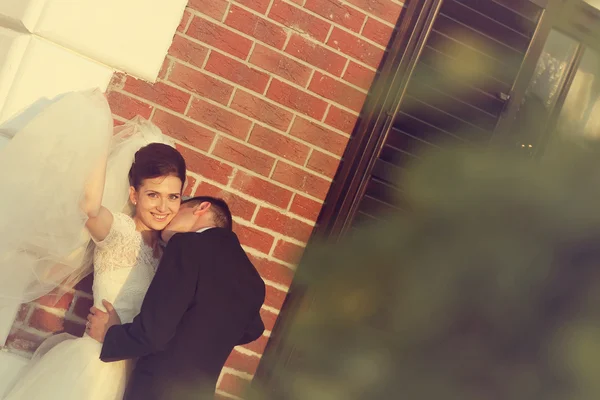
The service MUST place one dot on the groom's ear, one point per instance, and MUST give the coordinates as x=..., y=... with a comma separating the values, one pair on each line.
x=202, y=207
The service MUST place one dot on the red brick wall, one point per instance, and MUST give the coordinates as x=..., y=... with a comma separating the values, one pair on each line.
x=261, y=97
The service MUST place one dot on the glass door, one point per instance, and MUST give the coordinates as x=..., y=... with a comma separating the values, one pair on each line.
x=543, y=92
x=580, y=114
x=562, y=99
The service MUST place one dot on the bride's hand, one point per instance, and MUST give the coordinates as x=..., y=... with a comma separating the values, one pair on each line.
x=99, y=322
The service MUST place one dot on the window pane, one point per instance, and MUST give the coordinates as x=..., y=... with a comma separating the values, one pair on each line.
x=551, y=69
x=580, y=114
x=545, y=85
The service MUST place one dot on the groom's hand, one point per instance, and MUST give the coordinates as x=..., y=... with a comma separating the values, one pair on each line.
x=99, y=322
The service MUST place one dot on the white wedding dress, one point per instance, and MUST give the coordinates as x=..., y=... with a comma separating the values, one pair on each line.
x=71, y=370
x=44, y=168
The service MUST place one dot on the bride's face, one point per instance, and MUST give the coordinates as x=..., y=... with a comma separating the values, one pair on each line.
x=156, y=201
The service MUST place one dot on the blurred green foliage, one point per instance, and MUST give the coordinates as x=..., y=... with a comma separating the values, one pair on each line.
x=488, y=288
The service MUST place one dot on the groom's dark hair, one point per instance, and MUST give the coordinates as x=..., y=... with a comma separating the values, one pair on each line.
x=220, y=209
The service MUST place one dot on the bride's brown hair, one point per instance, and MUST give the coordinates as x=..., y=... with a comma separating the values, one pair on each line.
x=154, y=160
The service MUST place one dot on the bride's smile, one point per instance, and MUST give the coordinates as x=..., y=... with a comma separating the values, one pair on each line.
x=159, y=217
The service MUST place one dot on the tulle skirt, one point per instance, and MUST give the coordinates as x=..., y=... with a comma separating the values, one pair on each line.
x=72, y=370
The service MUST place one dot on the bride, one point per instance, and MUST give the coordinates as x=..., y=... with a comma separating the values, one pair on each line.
x=74, y=172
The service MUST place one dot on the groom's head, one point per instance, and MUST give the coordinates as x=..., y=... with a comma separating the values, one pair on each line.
x=198, y=213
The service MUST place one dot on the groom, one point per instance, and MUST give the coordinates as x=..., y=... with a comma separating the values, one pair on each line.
x=204, y=300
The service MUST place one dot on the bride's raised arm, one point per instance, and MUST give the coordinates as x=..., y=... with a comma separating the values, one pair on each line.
x=99, y=218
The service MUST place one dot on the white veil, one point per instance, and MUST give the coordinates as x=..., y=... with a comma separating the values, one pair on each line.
x=43, y=170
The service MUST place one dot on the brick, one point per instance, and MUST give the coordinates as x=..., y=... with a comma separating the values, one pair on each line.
x=258, y=346
x=297, y=99
x=186, y=131
x=85, y=285
x=280, y=64
x=74, y=328
x=184, y=21
x=188, y=190
x=239, y=206
x=261, y=110
x=117, y=81
x=337, y=91
x=242, y=362
x=323, y=163
x=164, y=70
x=206, y=166
x=82, y=307
x=255, y=26
x=201, y=84
x=233, y=384
x=45, y=321
x=254, y=238
x=23, y=341
x=159, y=93
x=281, y=145
x=273, y=271
x=219, y=37
x=274, y=297
x=299, y=20
x=219, y=118
x=52, y=300
x=338, y=12
x=319, y=136
x=190, y=52
x=300, y=180
x=316, y=55
x=288, y=252
x=237, y=72
x=257, y=5
x=377, y=31
x=127, y=107
x=384, y=9
x=355, y=47
x=213, y=8
x=244, y=156
x=340, y=119
x=268, y=319
x=261, y=189
x=287, y=226
x=305, y=207
x=22, y=313
x=358, y=75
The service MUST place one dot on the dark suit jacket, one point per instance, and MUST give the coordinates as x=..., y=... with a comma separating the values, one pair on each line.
x=204, y=300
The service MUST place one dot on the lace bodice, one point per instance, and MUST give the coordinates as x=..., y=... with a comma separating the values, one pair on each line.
x=123, y=268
